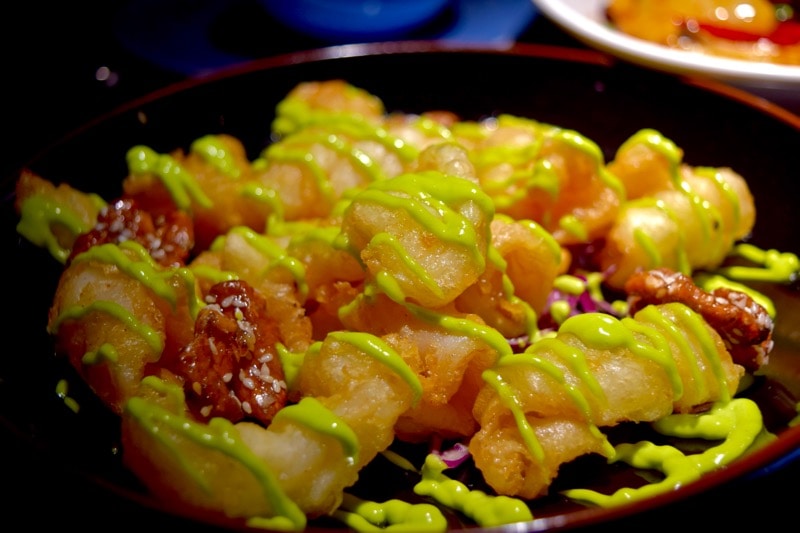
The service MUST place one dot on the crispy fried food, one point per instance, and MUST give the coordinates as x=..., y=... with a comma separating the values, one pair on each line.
x=447, y=352
x=213, y=182
x=512, y=292
x=598, y=371
x=265, y=265
x=680, y=217
x=314, y=167
x=355, y=387
x=325, y=101
x=53, y=216
x=744, y=325
x=422, y=237
x=333, y=276
x=536, y=171
x=265, y=330
x=115, y=311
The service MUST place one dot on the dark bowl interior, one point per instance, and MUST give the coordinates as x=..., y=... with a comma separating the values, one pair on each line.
x=75, y=457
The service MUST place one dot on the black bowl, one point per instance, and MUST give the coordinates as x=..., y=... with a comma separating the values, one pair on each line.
x=68, y=465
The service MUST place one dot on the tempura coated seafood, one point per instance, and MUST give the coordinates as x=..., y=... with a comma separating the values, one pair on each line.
x=663, y=359
x=536, y=171
x=354, y=393
x=53, y=216
x=213, y=182
x=676, y=216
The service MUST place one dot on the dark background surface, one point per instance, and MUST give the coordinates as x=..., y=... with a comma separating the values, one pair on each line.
x=52, y=56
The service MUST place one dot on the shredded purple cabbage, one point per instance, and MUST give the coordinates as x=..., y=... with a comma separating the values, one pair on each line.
x=453, y=456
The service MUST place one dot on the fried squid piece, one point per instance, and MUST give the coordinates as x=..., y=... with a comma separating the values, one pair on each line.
x=544, y=407
x=512, y=292
x=676, y=215
x=422, y=237
x=213, y=182
x=448, y=353
x=535, y=171
x=231, y=368
x=744, y=325
x=354, y=387
x=53, y=216
x=115, y=312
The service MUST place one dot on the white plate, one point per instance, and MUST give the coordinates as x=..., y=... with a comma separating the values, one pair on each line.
x=586, y=21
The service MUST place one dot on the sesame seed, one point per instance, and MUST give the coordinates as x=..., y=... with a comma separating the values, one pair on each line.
x=246, y=380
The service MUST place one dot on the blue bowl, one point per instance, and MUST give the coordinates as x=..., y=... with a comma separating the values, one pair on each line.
x=354, y=20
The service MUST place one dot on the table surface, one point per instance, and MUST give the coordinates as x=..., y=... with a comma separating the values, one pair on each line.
x=52, y=57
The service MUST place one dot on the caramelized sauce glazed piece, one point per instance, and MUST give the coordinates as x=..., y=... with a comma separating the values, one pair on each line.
x=231, y=369
x=743, y=324
x=169, y=238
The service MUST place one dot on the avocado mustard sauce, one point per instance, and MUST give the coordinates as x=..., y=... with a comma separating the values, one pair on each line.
x=276, y=254
x=40, y=214
x=484, y=509
x=181, y=184
x=392, y=515
x=769, y=265
x=62, y=391
x=737, y=424
x=217, y=155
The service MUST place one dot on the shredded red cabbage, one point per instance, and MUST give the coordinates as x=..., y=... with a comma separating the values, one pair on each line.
x=453, y=456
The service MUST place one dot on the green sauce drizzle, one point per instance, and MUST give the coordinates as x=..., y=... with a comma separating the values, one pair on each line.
x=484, y=509
x=62, y=391
x=392, y=515
x=738, y=422
x=376, y=348
x=180, y=183
x=39, y=214
x=312, y=414
x=777, y=267
x=214, y=152
x=76, y=312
